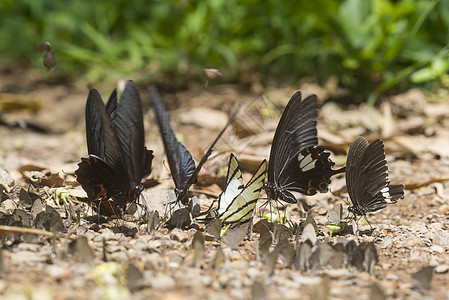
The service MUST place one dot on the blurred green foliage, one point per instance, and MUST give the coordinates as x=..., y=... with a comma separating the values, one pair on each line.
x=372, y=46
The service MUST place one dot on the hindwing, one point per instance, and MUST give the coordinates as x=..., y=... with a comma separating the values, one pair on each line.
x=241, y=208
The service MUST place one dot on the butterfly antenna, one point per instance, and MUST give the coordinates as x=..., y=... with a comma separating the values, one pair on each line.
x=247, y=115
x=276, y=106
x=209, y=151
x=340, y=197
x=165, y=166
x=344, y=199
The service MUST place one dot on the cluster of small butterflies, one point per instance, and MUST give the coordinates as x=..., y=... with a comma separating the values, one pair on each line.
x=304, y=251
x=118, y=160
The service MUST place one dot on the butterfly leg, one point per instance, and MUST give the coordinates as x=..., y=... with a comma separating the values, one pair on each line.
x=142, y=204
x=371, y=228
x=169, y=209
x=284, y=207
x=260, y=209
x=98, y=211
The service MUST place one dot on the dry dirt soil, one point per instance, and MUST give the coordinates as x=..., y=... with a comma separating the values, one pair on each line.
x=43, y=138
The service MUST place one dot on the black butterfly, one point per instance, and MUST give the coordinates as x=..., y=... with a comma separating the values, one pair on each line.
x=367, y=178
x=297, y=163
x=118, y=159
x=182, y=166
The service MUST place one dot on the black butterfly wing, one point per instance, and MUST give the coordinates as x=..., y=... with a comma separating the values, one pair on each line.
x=353, y=169
x=99, y=179
x=368, y=183
x=296, y=131
x=101, y=182
x=127, y=120
x=111, y=106
x=102, y=140
x=94, y=131
x=180, y=161
x=103, y=173
x=373, y=169
x=297, y=163
x=94, y=134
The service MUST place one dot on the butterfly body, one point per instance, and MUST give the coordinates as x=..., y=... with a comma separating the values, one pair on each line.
x=367, y=178
x=297, y=163
x=118, y=159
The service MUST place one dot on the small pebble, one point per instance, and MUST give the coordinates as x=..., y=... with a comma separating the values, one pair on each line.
x=437, y=248
x=419, y=227
x=386, y=243
x=253, y=272
x=441, y=269
x=163, y=283
x=412, y=242
x=105, y=234
x=439, y=237
x=391, y=276
x=8, y=206
x=6, y=179
x=179, y=235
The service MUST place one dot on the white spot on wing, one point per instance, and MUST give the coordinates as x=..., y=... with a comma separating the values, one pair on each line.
x=306, y=163
x=385, y=192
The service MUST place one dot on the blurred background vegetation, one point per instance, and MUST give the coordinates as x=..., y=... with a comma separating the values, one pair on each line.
x=372, y=47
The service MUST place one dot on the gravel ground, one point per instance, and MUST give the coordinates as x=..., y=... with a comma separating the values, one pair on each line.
x=119, y=259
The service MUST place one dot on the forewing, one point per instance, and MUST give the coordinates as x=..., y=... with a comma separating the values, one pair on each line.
x=374, y=164
x=102, y=140
x=234, y=185
x=241, y=208
x=128, y=123
x=354, y=169
x=180, y=161
x=94, y=135
x=373, y=177
x=296, y=131
x=111, y=106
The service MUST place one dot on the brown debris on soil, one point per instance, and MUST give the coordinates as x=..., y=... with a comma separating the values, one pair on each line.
x=54, y=246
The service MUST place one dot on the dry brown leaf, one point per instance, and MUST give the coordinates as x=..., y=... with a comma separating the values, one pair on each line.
x=204, y=117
